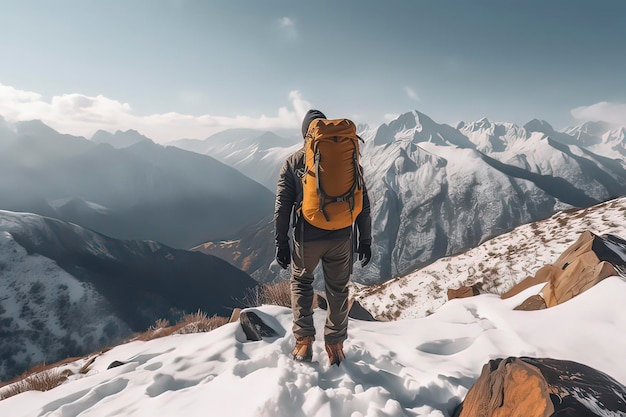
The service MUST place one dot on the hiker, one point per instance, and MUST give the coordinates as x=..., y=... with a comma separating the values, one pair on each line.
x=332, y=238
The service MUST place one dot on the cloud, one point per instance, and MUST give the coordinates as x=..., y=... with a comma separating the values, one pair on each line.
x=287, y=22
x=288, y=28
x=411, y=93
x=300, y=105
x=83, y=115
x=602, y=111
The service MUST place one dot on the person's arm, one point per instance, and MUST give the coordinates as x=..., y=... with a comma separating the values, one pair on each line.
x=285, y=199
x=364, y=220
x=364, y=226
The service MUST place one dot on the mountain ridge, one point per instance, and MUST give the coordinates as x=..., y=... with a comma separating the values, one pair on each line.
x=68, y=289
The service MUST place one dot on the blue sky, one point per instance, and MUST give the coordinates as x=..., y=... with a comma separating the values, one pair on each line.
x=186, y=68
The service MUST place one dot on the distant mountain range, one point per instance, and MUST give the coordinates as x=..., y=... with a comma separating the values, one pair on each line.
x=257, y=154
x=67, y=291
x=135, y=190
x=437, y=190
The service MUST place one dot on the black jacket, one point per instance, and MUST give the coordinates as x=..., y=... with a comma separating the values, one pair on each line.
x=288, y=194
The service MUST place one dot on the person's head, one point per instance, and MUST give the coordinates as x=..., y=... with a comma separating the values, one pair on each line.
x=309, y=117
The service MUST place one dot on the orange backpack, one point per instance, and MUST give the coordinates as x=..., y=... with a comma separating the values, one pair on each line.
x=332, y=184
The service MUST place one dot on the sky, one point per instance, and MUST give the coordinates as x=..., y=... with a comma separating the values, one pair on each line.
x=177, y=69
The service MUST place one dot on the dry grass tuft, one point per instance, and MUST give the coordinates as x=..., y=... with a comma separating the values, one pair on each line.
x=197, y=322
x=34, y=380
x=275, y=293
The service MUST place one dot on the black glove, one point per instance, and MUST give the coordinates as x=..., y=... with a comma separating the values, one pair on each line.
x=283, y=256
x=365, y=253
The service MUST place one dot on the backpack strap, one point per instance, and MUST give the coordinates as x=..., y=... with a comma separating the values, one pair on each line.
x=299, y=172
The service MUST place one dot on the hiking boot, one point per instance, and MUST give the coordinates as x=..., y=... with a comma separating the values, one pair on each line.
x=335, y=353
x=303, y=351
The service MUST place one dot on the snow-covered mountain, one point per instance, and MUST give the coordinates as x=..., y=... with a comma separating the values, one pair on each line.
x=67, y=291
x=257, y=154
x=550, y=154
x=143, y=191
x=438, y=190
x=497, y=264
x=597, y=137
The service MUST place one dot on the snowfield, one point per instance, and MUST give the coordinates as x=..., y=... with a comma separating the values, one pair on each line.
x=409, y=367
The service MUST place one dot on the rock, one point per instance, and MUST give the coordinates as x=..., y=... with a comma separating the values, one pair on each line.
x=321, y=301
x=543, y=275
x=357, y=311
x=531, y=387
x=234, y=316
x=115, y=364
x=535, y=302
x=588, y=261
x=465, y=291
x=254, y=327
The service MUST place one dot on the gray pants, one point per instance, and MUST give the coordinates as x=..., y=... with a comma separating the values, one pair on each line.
x=336, y=257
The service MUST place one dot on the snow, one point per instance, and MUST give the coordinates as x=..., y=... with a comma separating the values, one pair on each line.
x=414, y=366
x=498, y=263
x=410, y=367
x=34, y=293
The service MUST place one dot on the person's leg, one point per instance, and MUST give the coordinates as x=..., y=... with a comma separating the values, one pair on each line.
x=306, y=256
x=337, y=264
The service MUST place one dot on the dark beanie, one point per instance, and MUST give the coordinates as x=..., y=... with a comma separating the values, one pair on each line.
x=309, y=117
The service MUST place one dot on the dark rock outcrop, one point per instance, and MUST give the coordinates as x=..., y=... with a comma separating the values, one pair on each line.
x=544, y=387
x=357, y=311
x=254, y=327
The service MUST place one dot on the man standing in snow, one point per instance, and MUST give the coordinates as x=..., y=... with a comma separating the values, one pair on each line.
x=310, y=245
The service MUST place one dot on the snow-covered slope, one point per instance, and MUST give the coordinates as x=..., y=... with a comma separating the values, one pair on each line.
x=40, y=304
x=411, y=367
x=541, y=153
x=66, y=290
x=598, y=137
x=255, y=153
x=498, y=263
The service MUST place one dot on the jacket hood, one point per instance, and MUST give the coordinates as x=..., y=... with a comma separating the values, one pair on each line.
x=309, y=117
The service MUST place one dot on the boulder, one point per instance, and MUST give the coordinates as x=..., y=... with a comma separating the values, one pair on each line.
x=357, y=311
x=535, y=302
x=465, y=291
x=234, y=316
x=588, y=261
x=542, y=387
x=543, y=275
x=254, y=327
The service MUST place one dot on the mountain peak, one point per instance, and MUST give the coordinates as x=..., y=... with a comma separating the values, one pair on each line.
x=478, y=125
x=537, y=125
x=119, y=139
x=34, y=128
